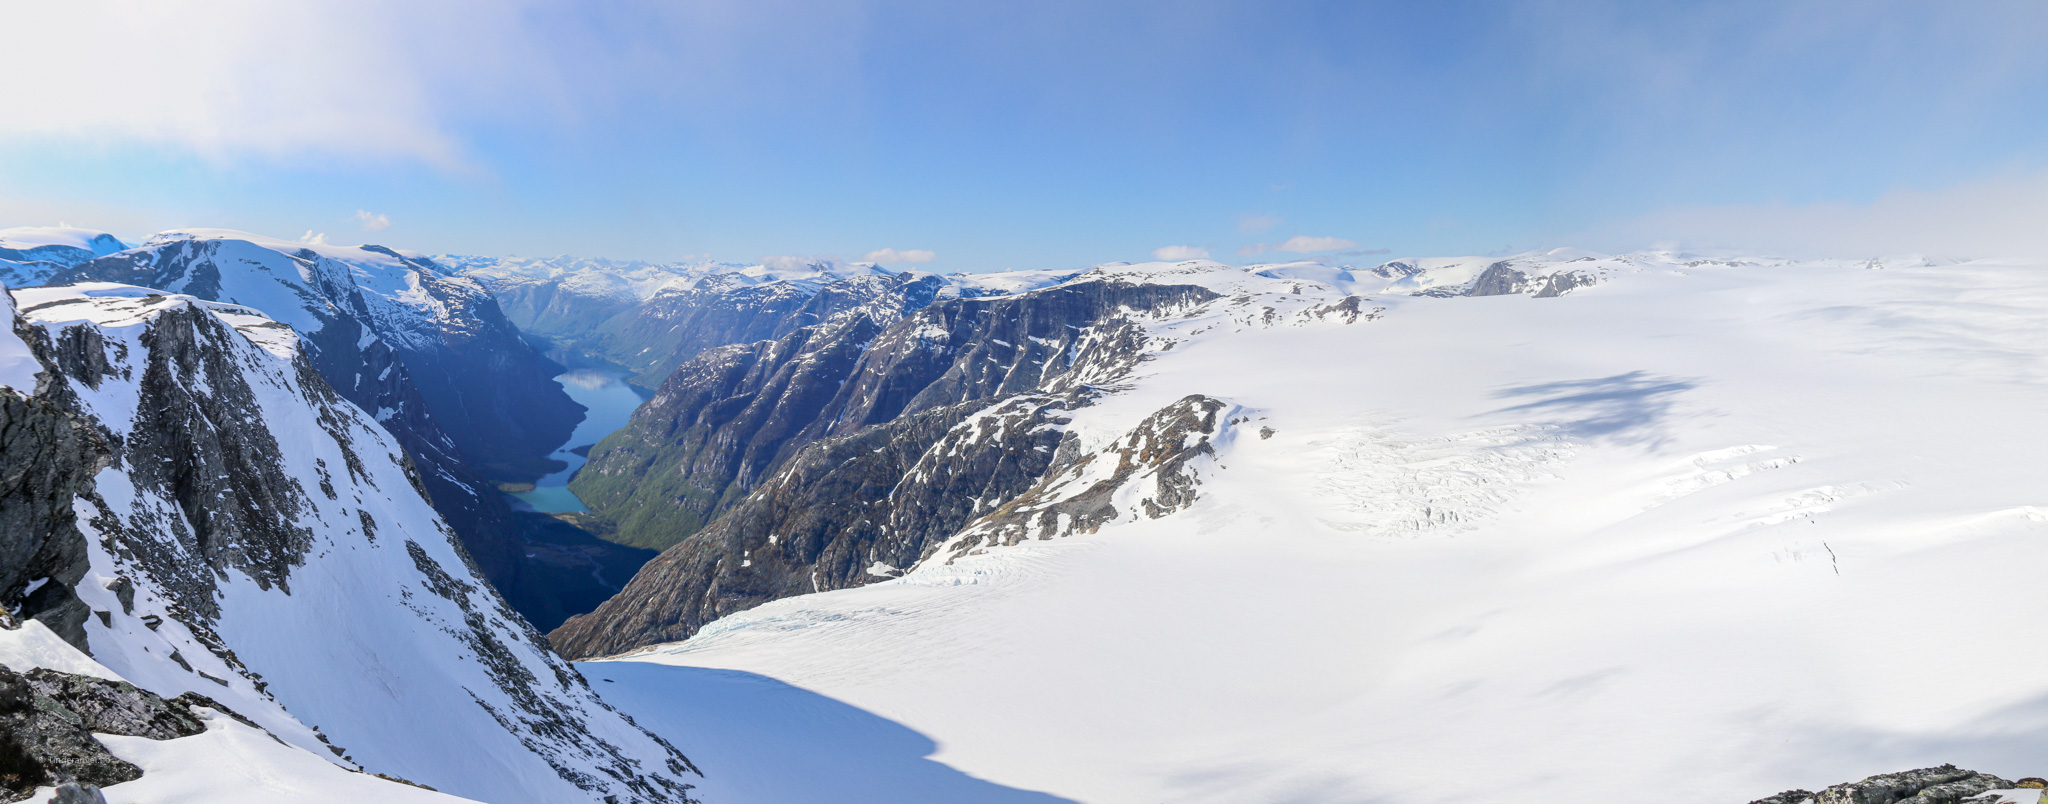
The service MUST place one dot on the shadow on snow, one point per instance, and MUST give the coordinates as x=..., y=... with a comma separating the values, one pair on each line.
x=761, y=741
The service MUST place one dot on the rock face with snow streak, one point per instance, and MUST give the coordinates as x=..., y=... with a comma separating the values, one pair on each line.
x=428, y=353
x=249, y=535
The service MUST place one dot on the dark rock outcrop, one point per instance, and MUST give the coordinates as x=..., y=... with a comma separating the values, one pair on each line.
x=1502, y=279
x=47, y=457
x=1946, y=784
x=47, y=720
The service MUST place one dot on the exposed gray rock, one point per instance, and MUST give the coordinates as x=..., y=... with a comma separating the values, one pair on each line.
x=1502, y=279
x=1946, y=784
x=47, y=457
x=1156, y=454
x=47, y=720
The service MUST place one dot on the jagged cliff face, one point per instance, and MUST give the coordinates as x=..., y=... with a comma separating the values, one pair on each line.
x=434, y=360
x=239, y=529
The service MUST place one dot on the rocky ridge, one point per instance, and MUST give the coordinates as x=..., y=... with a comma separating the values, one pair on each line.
x=1946, y=784
x=245, y=533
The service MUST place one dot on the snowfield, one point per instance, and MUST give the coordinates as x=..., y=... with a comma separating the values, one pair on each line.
x=1713, y=529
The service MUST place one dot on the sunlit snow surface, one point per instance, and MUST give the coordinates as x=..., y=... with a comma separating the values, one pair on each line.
x=1714, y=530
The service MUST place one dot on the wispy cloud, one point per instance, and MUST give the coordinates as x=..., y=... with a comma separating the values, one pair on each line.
x=788, y=262
x=890, y=256
x=1998, y=216
x=1257, y=224
x=1177, y=253
x=372, y=222
x=311, y=239
x=1302, y=244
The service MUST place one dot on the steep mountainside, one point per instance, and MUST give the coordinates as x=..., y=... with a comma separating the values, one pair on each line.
x=845, y=452
x=188, y=501
x=441, y=368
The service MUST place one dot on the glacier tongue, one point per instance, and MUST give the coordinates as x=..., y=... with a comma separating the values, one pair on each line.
x=251, y=536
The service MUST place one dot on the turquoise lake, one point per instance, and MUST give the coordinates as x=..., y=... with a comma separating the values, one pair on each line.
x=611, y=402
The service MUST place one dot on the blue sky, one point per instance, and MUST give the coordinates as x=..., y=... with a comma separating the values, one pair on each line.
x=1039, y=135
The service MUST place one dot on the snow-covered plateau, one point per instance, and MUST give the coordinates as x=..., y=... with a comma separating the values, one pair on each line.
x=1614, y=529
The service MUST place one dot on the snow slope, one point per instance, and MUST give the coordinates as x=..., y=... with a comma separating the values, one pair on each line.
x=228, y=764
x=1710, y=528
x=257, y=539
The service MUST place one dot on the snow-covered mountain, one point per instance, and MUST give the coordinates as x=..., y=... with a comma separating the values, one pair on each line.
x=432, y=357
x=1647, y=526
x=189, y=503
x=652, y=317
x=30, y=254
x=847, y=449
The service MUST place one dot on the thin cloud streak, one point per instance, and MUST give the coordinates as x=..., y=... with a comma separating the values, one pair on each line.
x=2003, y=216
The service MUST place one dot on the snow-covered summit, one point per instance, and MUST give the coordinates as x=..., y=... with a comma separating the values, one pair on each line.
x=24, y=238
x=30, y=254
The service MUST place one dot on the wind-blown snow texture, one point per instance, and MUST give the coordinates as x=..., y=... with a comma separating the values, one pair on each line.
x=1688, y=529
x=252, y=536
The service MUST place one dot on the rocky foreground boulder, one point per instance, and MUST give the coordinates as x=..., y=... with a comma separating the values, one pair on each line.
x=47, y=720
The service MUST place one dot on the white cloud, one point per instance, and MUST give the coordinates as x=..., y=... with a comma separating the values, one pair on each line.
x=2000, y=216
x=788, y=262
x=1256, y=224
x=373, y=222
x=890, y=256
x=1301, y=244
x=1177, y=253
x=226, y=77
x=311, y=239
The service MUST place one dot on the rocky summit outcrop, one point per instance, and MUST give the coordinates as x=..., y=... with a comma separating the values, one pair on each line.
x=244, y=532
x=437, y=363
x=1946, y=784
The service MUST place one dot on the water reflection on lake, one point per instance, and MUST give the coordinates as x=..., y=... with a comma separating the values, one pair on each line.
x=611, y=402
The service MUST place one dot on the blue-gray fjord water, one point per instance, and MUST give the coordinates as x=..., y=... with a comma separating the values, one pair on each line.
x=611, y=402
